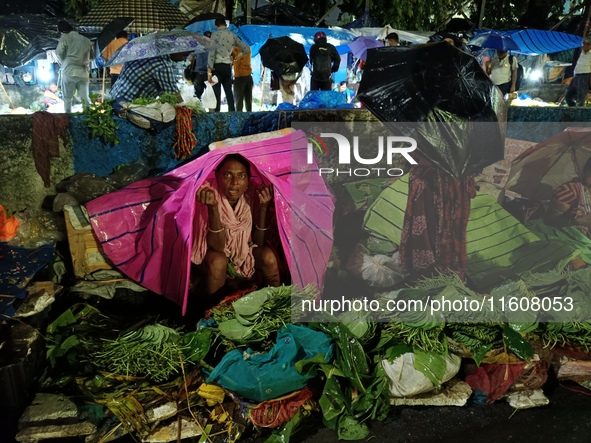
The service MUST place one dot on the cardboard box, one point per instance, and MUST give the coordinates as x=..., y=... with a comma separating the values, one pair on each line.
x=87, y=253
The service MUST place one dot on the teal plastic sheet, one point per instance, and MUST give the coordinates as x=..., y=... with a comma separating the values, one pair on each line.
x=261, y=377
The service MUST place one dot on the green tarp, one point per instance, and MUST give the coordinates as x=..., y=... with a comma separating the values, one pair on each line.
x=499, y=247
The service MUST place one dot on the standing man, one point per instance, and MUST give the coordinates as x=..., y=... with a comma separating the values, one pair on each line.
x=73, y=52
x=325, y=60
x=242, y=79
x=576, y=94
x=111, y=48
x=220, y=65
x=502, y=70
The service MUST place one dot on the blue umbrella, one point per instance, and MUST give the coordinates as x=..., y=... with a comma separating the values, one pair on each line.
x=495, y=41
x=162, y=43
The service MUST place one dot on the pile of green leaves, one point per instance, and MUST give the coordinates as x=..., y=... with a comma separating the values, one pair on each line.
x=99, y=118
x=257, y=315
x=66, y=335
x=165, y=97
x=153, y=351
x=82, y=340
x=355, y=384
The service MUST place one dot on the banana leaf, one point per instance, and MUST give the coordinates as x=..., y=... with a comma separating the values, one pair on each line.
x=516, y=343
x=349, y=428
x=432, y=365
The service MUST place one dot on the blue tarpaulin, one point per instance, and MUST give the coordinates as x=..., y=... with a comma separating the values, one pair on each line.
x=256, y=35
x=537, y=42
x=18, y=266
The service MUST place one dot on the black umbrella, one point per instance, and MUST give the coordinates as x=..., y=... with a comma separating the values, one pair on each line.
x=283, y=55
x=463, y=113
x=207, y=16
x=110, y=31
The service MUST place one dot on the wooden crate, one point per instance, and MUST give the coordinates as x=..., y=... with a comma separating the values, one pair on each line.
x=87, y=253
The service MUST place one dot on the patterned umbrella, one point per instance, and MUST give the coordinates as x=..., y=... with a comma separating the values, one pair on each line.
x=162, y=43
x=148, y=15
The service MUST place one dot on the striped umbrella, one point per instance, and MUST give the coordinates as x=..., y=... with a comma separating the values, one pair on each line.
x=148, y=15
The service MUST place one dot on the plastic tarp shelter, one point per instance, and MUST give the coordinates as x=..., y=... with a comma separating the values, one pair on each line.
x=26, y=37
x=146, y=228
x=256, y=35
x=538, y=42
x=414, y=37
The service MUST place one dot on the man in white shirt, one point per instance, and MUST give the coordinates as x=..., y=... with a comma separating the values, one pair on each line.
x=502, y=70
x=73, y=51
x=576, y=94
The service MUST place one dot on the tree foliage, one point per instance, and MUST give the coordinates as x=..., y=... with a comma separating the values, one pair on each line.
x=537, y=14
x=79, y=8
x=417, y=15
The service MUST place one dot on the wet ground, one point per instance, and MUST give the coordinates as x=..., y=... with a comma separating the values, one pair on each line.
x=566, y=419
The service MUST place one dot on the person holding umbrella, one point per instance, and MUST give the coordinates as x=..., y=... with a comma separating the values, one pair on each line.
x=576, y=94
x=148, y=78
x=147, y=63
x=220, y=64
x=121, y=39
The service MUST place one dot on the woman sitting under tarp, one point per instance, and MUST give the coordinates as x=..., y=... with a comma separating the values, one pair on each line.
x=229, y=238
x=147, y=229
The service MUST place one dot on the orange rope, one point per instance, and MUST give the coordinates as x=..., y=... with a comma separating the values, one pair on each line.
x=185, y=137
x=273, y=413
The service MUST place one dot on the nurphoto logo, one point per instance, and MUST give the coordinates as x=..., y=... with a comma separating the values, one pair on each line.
x=388, y=146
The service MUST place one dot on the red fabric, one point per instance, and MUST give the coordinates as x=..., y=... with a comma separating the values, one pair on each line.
x=47, y=130
x=273, y=413
x=494, y=380
x=434, y=230
x=228, y=300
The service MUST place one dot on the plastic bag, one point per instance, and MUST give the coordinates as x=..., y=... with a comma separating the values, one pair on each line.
x=8, y=225
x=324, y=99
x=406, y=381
x=379, y=270
x=208, y=99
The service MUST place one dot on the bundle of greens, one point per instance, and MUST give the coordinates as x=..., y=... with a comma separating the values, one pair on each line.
x=66, y=335
x=165, y=97
x=257, y=315
x=153, y=351
x=355, y=384
x=546, y=284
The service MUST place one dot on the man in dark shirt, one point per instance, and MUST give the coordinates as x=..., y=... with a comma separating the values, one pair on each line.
x=325, y=60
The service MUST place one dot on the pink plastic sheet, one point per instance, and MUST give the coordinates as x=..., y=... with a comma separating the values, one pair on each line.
x=146, y=228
